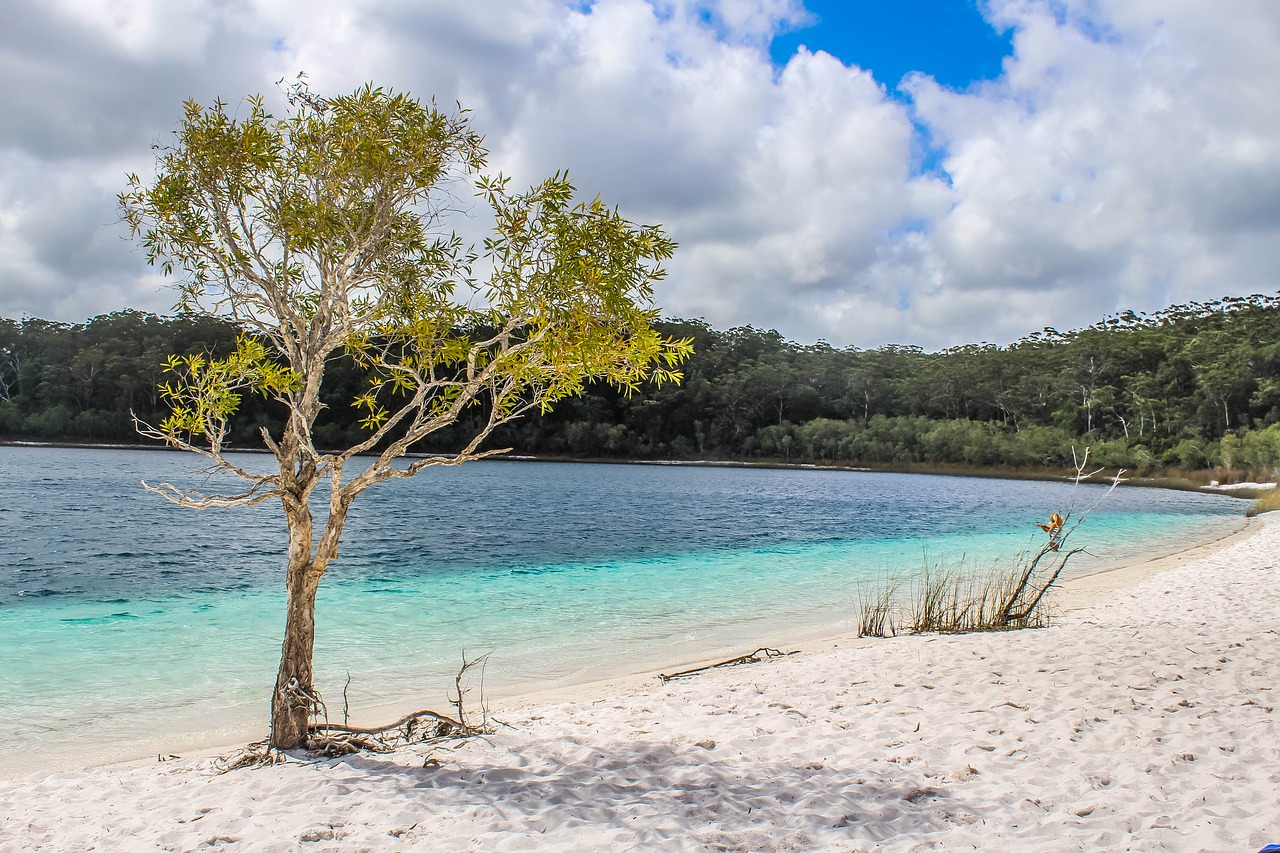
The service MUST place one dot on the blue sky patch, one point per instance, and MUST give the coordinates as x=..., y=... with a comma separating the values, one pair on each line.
x=946, y=39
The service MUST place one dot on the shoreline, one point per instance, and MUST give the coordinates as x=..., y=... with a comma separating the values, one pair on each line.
x=1248, y=491
x=1075, y=591
x=1148, y=719
x=1090, y=589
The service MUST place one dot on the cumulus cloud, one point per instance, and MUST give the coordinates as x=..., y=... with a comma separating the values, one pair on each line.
x=1127, y=157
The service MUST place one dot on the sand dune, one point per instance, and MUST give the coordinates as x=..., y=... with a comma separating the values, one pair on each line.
x=1149, y=721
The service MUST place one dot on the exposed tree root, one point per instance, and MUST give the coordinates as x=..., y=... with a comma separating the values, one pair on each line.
x=754, y=657
x=330, y=740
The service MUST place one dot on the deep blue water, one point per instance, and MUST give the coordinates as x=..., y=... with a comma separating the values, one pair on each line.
x=165, y=621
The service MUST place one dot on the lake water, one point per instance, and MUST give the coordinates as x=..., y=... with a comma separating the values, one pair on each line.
x=129, y=626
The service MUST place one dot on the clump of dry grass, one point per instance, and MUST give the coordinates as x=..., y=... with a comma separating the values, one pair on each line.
x=944, y=600
x=947, y=600
x=877, y=607
x=1268, y=501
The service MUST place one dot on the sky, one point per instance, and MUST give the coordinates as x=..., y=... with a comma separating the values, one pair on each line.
x=928, y=172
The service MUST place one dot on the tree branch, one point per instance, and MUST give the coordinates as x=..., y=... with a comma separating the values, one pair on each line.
x=213, y=452
x=195, y=500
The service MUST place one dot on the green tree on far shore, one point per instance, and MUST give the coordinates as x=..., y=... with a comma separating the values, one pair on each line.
x=1165, y=388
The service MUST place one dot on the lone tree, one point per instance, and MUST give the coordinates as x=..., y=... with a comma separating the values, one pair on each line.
x=326, y=232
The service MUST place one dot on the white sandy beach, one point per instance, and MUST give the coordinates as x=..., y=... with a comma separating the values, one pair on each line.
x=1146, y=720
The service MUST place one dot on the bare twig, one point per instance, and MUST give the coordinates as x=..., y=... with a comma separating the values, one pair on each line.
x=461, y=691
x=754, y=657
x=345, y=706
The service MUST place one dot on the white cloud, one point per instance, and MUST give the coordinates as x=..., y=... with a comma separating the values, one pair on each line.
x=142, y=30
x=1128, y=157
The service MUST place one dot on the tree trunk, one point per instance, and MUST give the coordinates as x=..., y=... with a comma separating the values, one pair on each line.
x=291, y=702
x=293, y=699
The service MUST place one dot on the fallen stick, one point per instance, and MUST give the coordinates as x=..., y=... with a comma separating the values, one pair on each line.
x=741, y=659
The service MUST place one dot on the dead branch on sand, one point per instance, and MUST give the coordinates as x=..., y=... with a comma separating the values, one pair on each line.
x=754, y=657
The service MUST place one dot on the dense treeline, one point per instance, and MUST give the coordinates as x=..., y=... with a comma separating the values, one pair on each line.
x=1194, y=386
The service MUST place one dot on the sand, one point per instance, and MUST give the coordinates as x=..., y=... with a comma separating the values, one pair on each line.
x=1147, y=718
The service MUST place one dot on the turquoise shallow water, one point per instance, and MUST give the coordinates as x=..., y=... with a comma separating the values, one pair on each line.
x=131, y=627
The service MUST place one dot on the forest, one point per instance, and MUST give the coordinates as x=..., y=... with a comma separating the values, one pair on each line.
x=1193, y=386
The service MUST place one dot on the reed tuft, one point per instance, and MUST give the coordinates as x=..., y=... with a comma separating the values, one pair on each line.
x=946, y=600
x=1268, y=501
x=956, y=600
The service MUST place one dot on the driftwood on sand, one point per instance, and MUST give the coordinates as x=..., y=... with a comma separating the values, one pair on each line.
x=757, y=656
